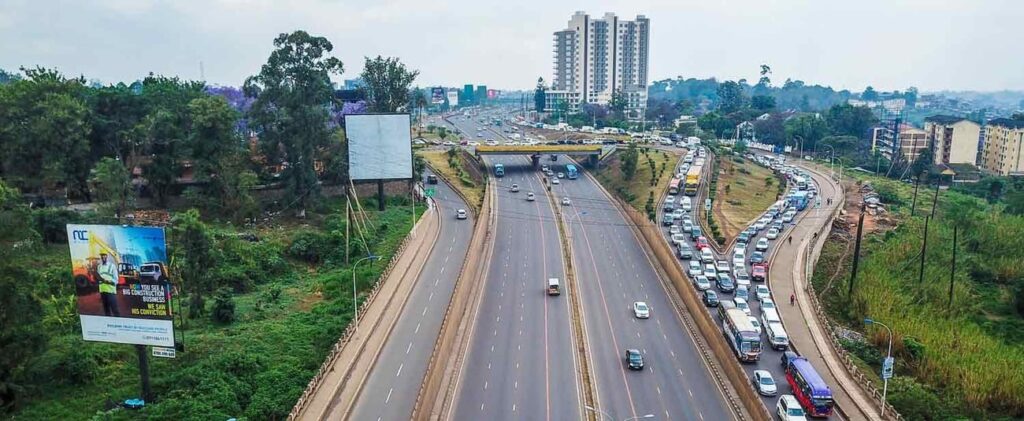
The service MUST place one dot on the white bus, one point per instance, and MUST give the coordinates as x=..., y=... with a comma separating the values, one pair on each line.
x=742, y=335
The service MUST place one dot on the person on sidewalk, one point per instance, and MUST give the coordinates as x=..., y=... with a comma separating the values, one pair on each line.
x=792, y=299
x=791, y=239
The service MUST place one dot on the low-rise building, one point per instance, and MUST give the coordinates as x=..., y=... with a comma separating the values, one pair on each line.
x=912, y=141
x=1001, y=153
x=954, y=140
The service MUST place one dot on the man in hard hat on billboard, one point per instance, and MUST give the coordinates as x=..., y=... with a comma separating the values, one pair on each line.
x=107, y=271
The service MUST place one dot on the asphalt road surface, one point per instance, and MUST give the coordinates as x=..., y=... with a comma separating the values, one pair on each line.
x=770, y=359
x=612, y=272
x=390, y=392
x=521, y=364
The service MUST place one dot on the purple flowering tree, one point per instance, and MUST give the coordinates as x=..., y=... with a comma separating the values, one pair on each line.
x=237, y=100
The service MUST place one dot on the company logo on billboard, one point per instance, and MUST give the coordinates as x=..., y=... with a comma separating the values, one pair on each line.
x=80, y=236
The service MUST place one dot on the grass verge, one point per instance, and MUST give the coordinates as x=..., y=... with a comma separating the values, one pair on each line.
x=745, y=190
x=654, y=170
x=451, y=170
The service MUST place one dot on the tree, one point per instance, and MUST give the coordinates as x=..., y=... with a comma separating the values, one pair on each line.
x=442, y=133
x=212, y=140
x=730, y=97
x=293, y=93
x=538, y=95
x=112, y=184
x=923, y=163
x=771, y=130
x=1015, y=206
x=163, y=132
x=846, y=119
x=807, y=127
x=762, y=102
x=764, y=80
x=869, y=94
x=629, y=161
x=193, y=255
x=387, y=84
x=618, y=104
x=740, y=147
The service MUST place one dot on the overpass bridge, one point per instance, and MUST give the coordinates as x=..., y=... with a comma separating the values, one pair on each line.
x=593, y=152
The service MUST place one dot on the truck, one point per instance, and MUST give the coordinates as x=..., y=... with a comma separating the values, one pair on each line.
x=692, y=180
x=798, y=200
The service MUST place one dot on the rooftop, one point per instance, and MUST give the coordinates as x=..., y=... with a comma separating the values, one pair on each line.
x=1006, y=122
x=944, y=119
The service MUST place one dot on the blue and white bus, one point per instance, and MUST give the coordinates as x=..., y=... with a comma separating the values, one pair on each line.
x=571, y=172
x=742, y=335
x=499, y=170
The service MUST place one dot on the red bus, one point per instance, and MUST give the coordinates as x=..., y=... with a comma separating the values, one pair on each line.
x=809, y=388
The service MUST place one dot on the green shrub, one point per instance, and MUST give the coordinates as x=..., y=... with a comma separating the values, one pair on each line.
x=223, y=307
x=51, y=223
x=309, y=246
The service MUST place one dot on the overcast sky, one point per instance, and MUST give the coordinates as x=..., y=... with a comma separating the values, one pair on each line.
x=889, y=44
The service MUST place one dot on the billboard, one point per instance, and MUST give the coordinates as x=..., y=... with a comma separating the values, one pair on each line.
x=453, y=98
x=492, y=93
x=437, y=95
x=379, y=146
x=122, y=284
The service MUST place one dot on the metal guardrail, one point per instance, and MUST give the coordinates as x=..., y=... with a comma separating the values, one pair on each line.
x=565, y=149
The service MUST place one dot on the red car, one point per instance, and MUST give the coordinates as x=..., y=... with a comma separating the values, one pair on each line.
x=759, y=273
x=701, y=242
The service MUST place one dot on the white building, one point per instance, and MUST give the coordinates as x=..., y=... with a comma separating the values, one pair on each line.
x=595, y=59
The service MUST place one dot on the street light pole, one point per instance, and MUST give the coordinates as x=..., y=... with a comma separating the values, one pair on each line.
x=355, y=303
x=599, y=412
x=888, y=356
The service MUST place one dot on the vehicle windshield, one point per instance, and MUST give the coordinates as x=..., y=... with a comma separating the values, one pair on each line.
x=767, y=381
x=633, y=356
x=767, y=305
x=795, y=412
x=641, y=307
x=822, y=403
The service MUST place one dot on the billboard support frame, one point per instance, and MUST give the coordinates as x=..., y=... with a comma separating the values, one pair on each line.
x=147, y=390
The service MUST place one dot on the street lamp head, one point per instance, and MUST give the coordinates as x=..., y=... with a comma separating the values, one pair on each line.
x=868, y=321
x=373, y=257
x=648, y=416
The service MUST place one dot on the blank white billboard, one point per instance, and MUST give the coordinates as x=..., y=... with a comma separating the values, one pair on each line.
x=379, y=146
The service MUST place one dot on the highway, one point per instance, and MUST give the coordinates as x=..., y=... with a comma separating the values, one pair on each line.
x=770, y=359
x=390, y=392
x=520, y=363
x=613, y=271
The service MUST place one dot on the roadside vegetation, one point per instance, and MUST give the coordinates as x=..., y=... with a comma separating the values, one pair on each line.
x=745, y=190
x=450, y=166
x=638, y=175
x=956, y=355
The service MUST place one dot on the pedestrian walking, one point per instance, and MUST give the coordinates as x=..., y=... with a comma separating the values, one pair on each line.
x=791, y=239
x=792, y=299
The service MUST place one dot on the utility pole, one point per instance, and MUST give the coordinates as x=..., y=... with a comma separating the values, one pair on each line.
x=856, y=249
x=935, y=199
x=952, y=272
x=924, y=249
x=913, y=205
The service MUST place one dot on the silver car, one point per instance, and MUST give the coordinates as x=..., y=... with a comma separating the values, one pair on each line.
x=764, y=383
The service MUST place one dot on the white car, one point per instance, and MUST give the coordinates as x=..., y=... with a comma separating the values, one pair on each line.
x=767, y=304
x=515, y=188
x=678, y=213
x=760, y=224
x=687, y=226
x=460, y=214
x=694, y=269
x=764, y=383
x=742, y=305
x=641, y=310
x=788, y=409
x=670, y=200
x=710, y=272
x=555, y=181
x=530, y=196
x=739, y=260
x=722, y=266
x=762, y=244
x=772, y=234
x=788, y=216
x=762, y=292
x=674, y=229
x=702, y=283
x=449, y=143
x=566, y=201
x=756, y=323
x=561, y=175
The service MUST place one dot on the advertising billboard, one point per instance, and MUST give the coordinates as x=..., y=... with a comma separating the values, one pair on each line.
x=437, y=95
x=453, y=98
x=379, y=146
x=122, y=284
x=492, y=93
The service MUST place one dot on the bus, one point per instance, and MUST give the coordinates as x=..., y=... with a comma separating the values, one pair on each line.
x=741, y=334
x=808, y=387
x=499, y=170
x=673, y=186
x=571, y=172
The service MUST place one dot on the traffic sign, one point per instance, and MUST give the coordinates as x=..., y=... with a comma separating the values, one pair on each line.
x=707, y=204
x=887, y=368
x=429, y=192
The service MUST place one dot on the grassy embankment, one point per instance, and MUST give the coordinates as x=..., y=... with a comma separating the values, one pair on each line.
x=959, y=359
x=745, y=190
x=452, y=168
x=292, y=301
x=654, y=170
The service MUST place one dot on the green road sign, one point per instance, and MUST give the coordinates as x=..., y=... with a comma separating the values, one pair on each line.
x=429, y=192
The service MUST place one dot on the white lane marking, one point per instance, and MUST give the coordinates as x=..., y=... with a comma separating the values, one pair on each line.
x=408, y=348
x=388, y=399
x=424, y=311
x=399, y=373
x=417, y=328
x=485, y=385
x=431, y=297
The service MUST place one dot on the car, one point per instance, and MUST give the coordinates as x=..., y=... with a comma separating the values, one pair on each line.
x=725, y=284
x=684, y=251
x=707, y=256
x=778, y=226
x=739, y=260
x=460, y=214
x=678, y=213
x=566, y=201
x=742, y=292
x=760, y=224
x=767, y=304
x=670, y=202
x=678, y=239
x=788, y=216
x=773, y=233
x=667, y=220
x=722, y=266
x=743, y=237
x=764, y=383
x=762, y=292
x=742, y=278
x=702, y=283
x=710, y=298
x=702, y=242
x=555, y=181
x=687, y=219
x=694, y=269
x=448, y=143
x=756, y=323
x=634, y=360
x=762, y=244
x=687, y=227
x=742, y=305
x=751, y=232
x=788, y=356
x=709, y=271
x=641, y=310
x=514, y=189
x=675, y=229
x=759, y=273
x=788, y=409
x=757, y=257
x=561, y=175
x=695, y=232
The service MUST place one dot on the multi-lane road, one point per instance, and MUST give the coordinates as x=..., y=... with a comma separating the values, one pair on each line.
x=390, y=393
x=520, y=363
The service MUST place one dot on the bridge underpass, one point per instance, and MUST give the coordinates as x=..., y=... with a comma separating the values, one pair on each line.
x=592, y=152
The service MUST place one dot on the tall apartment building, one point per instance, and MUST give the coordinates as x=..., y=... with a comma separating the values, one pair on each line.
x=911, y=142
x=595, y=59
x=1002, y=153
x=954, y=140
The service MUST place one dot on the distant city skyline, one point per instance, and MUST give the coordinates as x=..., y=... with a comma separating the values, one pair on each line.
x=933, y=45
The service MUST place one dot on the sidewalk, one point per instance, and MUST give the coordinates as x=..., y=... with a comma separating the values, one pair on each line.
x=348, y=371
x=806, y=335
